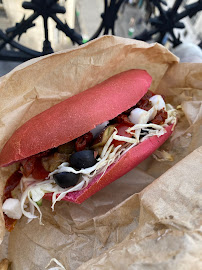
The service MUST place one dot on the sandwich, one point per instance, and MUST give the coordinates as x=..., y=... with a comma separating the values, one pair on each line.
x=77, y=147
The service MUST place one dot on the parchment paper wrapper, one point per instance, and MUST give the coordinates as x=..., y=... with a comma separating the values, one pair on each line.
x=124, y=226
x=168, y=234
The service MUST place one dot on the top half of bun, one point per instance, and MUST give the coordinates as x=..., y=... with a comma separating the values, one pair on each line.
x=76, y=115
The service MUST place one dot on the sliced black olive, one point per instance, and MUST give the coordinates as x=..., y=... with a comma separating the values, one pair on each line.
x=82, y=159
x=66, y=179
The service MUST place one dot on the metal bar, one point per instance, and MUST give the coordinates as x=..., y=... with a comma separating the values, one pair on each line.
x=118, y=5
x=176, y=41
x=47, y=49
x=161, y=10
x=20, y=47
x=176, y=5
x=146, y=35
x=52, y=2
x=105, y=18
x=14, y=56
x=45, y=28
x=113, y=10
x=191, y=9
x=15, y=33
x=71, y=33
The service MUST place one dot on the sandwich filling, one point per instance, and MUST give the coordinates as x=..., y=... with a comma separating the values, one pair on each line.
x=72, y=166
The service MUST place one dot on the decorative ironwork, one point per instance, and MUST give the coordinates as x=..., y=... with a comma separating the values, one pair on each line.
x=163, y=24
x=109, y=16
x=46, y=9
x=168, y=20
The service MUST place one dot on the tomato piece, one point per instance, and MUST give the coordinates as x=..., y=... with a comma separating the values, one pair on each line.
x=144, y=102
x=28, y=166
x=123, y=119
x=39, y=172
x=83, y=141
x=122, y=132
x=29, y=163
x=160, y=118
x=11, y=184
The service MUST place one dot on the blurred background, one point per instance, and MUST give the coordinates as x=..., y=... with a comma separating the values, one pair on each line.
x=33, y=28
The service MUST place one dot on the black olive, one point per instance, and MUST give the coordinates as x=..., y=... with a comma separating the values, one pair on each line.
x=66, y=179
x=82, y=159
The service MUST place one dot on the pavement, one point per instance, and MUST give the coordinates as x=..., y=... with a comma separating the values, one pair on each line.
x=7, y=66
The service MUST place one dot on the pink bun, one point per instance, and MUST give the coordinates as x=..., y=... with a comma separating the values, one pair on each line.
x=76, y=115
x=126, y=163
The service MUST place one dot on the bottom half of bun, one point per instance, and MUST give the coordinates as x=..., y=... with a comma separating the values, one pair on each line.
x=126, y=163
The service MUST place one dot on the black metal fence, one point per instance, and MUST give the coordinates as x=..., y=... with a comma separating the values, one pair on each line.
x=158, y=26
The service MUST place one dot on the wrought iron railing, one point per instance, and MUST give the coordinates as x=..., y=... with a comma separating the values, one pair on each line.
x=161, y=25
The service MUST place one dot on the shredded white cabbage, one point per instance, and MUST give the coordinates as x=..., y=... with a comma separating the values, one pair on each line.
x=172, y=116
x=109, y=155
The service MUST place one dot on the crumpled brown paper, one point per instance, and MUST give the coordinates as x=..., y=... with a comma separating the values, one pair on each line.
x=168, y=235
x=74, y=234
